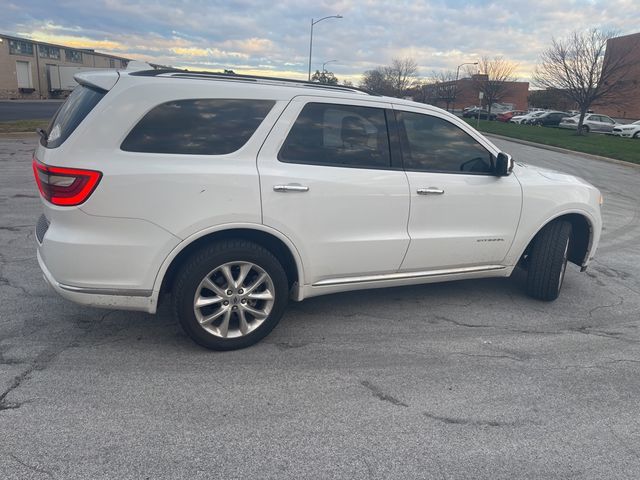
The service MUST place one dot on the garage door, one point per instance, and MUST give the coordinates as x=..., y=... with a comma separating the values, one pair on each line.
x=23, y=70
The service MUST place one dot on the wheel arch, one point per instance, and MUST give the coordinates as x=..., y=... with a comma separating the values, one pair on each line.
x=581, y=236
x=271, y=239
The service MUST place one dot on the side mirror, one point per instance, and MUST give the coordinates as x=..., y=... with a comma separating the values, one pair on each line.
x=504, y=165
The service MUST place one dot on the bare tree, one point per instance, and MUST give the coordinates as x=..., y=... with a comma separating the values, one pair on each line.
x=376, y=81
x=438, y=89
x=421, y=91
x=492, y=80
x=444, y=87
x=401, y=75
x=578, y=66
x=394, y=80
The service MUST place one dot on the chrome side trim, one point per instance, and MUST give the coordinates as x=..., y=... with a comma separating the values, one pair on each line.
x=405, y=275
x=107, y=291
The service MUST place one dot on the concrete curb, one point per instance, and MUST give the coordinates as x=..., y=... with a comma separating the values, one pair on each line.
x=563, y=150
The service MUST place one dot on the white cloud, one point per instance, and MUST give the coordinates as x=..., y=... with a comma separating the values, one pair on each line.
x=254, y=35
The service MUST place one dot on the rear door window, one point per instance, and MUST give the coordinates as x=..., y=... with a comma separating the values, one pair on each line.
x=81, y=101
x=197, y=126
x=338, y=135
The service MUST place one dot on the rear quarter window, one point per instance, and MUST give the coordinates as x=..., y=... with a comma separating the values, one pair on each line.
x=81, y=101
x=197, y=126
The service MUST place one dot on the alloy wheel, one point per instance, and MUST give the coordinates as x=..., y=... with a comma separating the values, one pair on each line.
x=234, y=299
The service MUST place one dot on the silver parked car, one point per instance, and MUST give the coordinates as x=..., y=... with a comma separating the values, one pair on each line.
x=593, y=122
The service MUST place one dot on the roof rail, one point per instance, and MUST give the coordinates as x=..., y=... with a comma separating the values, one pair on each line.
x=178, y=73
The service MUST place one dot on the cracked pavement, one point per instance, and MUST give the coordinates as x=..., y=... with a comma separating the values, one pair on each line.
x=459, y=380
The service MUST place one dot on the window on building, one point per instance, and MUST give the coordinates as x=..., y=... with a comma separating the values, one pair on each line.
x=432, y=144
x=197, y=127
x=112, y=63
x=74, y=56
x=20, y=47
x=45, y=51
x=23, y=73
x=338, y=135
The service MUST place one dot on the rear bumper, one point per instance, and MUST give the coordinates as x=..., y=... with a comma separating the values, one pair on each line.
x=102, y=261
x=140, y=300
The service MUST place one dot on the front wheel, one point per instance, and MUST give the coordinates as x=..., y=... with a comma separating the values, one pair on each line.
x=547, y=261
x=230, y=294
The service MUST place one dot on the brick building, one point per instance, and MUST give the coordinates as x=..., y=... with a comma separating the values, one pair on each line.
x=626, y=104
x=467, y=94
x=25, y=65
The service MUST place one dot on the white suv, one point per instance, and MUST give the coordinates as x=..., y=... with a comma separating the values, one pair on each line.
x=237, y=193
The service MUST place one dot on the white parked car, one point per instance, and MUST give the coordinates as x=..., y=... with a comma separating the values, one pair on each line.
x=523, y=119
x=631, y=130
x=593, y=122
x=237, y=194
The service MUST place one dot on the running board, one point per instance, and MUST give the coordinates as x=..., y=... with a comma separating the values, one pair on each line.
x=404, y=275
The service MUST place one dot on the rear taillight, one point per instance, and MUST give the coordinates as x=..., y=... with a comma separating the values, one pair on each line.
x=65, y=186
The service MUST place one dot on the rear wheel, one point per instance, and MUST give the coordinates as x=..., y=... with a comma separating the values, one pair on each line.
x=547, y=262
x=230, y=295
x=585, y=129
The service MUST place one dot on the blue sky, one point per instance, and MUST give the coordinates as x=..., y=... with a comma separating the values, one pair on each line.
x=252, y=36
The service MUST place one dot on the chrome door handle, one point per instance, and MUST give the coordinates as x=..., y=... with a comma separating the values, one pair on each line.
x=292, y=187
x=430, y=191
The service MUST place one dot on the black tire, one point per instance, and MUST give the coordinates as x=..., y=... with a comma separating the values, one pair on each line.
x=202, y=264
x=636, y=135
x=585, y=129
x=547, y=260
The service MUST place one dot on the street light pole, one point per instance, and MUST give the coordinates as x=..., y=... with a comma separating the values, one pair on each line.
x=311, y=39
x=455, y=88
x=324, y=63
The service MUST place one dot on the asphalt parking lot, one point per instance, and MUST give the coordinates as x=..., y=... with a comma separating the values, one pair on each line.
x=27, y=110
x=460, y=380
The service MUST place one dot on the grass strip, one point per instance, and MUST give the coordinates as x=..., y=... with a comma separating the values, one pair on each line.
x=20, y=126
x=626, y=149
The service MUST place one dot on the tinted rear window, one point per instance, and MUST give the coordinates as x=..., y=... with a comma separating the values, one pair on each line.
x=338, y=135
x=71, y=113
x=197, y=127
